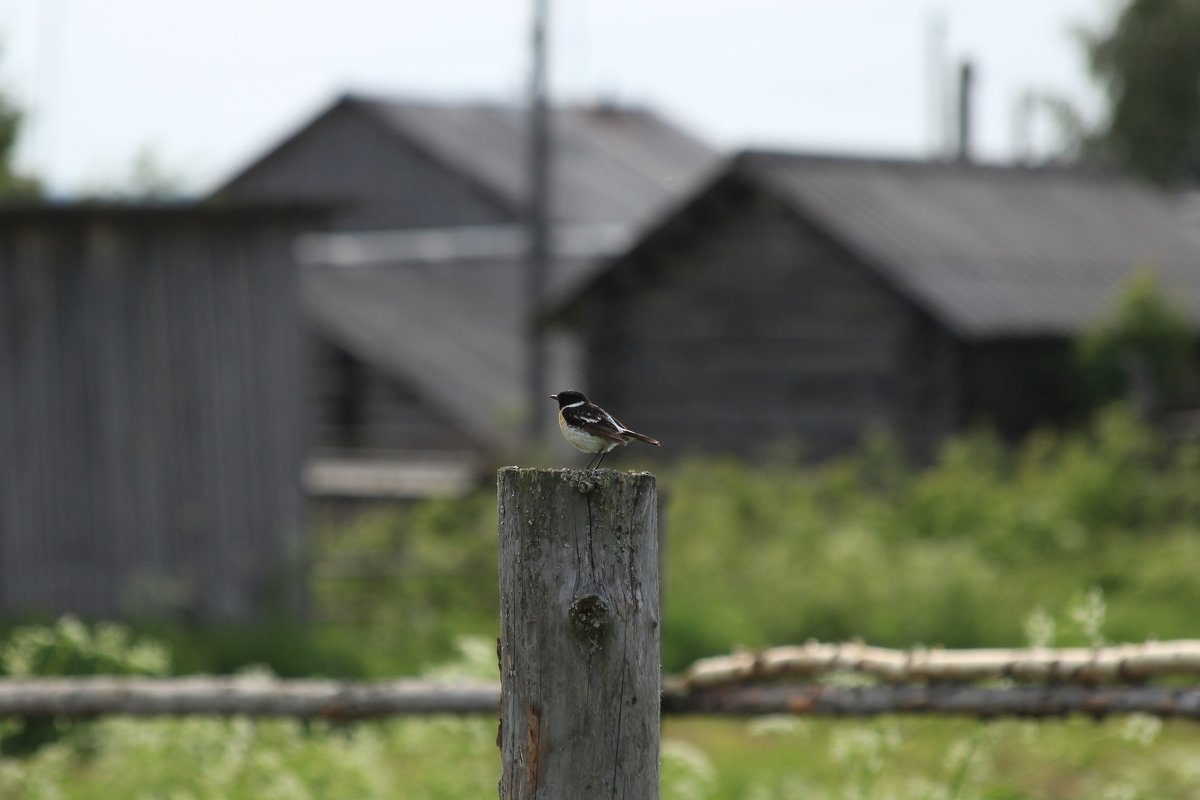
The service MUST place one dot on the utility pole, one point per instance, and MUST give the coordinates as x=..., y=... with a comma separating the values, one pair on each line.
x=538, y=224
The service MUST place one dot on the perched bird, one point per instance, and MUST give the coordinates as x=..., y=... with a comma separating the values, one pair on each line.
x=590, y=428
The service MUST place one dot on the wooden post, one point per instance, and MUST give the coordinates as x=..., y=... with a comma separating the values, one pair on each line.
x=579, y=634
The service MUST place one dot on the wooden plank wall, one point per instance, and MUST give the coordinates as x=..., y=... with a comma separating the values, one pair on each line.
x=358, y=409
x=151, y=412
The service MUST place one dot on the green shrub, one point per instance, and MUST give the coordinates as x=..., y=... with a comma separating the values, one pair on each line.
x=958, y=554
x=69, y=647
x=409, y=581
x=1147, y=329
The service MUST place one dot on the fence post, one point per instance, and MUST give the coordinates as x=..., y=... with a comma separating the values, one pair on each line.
x=579, y=634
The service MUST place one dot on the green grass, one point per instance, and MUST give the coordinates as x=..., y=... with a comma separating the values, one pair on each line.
x=443, y=758
x=919, y=758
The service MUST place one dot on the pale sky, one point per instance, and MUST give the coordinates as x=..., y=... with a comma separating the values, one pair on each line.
x=206, y=85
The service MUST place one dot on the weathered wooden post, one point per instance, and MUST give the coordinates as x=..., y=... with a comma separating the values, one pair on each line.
x=579, y=635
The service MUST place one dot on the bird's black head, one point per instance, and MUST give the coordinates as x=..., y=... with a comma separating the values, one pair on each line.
x=568, y=397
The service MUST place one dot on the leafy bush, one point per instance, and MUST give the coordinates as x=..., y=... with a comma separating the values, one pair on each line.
x=959, y=554
x=409, y=581
x=1148, y=331
x=69, y=647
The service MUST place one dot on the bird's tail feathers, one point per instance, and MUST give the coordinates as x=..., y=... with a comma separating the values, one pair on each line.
x=641, y=437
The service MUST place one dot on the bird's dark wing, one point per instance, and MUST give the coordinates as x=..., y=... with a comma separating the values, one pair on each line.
x=596, y=421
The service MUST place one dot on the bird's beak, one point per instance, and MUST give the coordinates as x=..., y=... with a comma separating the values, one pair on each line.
x=553, y=397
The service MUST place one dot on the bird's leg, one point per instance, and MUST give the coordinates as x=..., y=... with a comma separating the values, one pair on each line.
x=600, y=460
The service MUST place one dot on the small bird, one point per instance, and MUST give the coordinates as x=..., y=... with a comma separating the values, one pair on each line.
x=590, y=428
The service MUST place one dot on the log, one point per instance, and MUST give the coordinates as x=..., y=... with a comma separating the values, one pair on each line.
x=973, y=701
x=86, y=697
x=579, y=634
x=1120, y=663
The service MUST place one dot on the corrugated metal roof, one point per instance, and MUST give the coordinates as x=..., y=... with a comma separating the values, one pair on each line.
x=611, y=164
x=993, y=251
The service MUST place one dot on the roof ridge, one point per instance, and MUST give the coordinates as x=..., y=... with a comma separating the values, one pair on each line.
x=490, y=104
x=751, y=155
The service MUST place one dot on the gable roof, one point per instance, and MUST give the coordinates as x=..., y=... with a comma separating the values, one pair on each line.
x=992, y=251
x=612, y=164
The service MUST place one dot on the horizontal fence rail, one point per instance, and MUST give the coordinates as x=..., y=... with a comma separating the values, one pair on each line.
x=82, y=698
x=1125, y=662
x=87, y=698
x=1041, y=682
x=969, y=701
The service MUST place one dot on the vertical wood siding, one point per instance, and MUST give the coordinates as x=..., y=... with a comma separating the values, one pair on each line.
x=151, y=416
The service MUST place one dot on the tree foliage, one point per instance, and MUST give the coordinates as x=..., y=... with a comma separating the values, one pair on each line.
x=1148, y=63
x=12, y=183
x=1145, y=333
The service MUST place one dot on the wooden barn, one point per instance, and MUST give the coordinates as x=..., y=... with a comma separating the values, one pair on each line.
x=414, y=293
x=805, y=300
x=151, y=434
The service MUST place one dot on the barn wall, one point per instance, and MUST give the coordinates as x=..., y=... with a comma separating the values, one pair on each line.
x=151, y=423
x=1016, y=385
x=931, y=396
x=753, y=330
x=360, y=409
x=348, y=157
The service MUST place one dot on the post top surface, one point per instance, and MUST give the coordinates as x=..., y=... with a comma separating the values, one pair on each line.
x=573, y=473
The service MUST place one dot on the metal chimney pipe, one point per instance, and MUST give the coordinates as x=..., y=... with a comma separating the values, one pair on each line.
x=966, y=78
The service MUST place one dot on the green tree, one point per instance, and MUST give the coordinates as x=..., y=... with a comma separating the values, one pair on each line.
x=1148, y=63
x=1145, y=334
x=12, y=183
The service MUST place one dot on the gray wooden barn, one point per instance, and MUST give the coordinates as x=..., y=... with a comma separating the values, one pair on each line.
x=151, y=431
x=415, y=295
x=807, y=299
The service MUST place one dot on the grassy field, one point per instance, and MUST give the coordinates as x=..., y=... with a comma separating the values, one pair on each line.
x=1075, y=538
x=702, y=759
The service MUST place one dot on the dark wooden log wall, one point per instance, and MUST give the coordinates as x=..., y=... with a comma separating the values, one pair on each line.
x=757, y=331
x=1016, y=385
x=151, y=416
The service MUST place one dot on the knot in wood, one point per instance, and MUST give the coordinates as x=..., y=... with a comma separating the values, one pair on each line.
x=591, y=619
